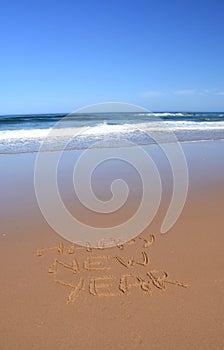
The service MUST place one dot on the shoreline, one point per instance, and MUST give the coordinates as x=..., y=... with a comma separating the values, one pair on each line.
x=143, y=145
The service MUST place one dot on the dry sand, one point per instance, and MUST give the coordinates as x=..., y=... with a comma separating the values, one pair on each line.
x=155, y=292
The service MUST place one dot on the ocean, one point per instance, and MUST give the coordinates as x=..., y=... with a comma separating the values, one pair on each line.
x=27, y=133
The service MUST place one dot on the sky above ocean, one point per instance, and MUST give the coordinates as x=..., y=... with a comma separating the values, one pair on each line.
x=57, y=56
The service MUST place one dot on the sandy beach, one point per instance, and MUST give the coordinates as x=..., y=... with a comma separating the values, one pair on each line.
x=154, y=292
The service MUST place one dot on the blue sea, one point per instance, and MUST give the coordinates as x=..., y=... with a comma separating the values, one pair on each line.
x=27, y=133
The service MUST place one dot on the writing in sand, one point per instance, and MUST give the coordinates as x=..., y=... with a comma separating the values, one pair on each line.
x=96, y=271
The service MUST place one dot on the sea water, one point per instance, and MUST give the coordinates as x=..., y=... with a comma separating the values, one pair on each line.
x=28, y=133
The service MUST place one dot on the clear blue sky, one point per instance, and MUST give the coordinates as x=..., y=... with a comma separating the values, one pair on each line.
x=161, y=54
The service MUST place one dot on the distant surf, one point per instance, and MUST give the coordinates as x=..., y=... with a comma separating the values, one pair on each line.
x=26, y=133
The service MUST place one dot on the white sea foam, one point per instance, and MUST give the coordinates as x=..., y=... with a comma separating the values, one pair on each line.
x=107, y=129
x=165, y=114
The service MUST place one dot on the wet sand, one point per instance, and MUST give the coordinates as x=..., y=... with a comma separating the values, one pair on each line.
x=157, y=291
